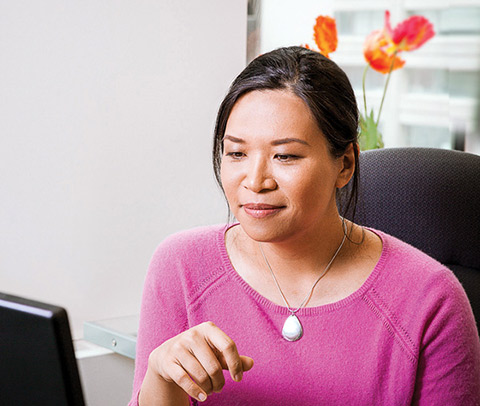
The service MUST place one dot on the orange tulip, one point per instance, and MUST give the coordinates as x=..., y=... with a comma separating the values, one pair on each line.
x=325, y=34
x=376, y=53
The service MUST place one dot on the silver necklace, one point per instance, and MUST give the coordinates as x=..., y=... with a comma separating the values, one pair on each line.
x=292, y=328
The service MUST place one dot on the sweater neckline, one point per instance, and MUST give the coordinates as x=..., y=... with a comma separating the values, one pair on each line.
x=306, y=311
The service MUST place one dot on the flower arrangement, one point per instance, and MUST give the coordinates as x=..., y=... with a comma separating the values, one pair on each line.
x=381, y=51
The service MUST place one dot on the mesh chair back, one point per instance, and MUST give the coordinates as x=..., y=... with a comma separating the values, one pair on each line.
x=429, y=198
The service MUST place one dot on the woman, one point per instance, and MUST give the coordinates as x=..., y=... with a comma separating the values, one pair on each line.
x=294, y=305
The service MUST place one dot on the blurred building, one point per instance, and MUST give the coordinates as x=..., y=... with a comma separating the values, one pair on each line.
x=433, y=100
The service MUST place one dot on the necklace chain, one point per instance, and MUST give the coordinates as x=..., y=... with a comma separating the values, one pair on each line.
x=318, y=279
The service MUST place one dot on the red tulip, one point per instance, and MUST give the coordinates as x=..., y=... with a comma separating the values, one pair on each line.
x=381, y=47
x=325, y=34
x=410, y=34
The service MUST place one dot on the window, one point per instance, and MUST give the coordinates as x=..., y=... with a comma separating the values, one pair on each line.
x=430, y=101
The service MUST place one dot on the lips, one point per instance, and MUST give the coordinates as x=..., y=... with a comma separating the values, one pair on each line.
x=261, y=210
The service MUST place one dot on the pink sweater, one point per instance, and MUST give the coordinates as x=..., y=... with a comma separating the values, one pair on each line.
x=407, y=336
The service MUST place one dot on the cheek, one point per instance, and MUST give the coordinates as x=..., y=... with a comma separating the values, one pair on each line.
x=312, y=186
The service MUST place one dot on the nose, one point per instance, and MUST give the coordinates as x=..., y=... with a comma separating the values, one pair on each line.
x=259, y=176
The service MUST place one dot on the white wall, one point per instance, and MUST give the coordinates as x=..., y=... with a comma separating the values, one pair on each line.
x=106, y=113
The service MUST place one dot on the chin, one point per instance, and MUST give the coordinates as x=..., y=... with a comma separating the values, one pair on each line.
x=265, y=231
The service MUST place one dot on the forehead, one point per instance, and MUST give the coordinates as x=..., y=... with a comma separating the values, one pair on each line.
x=269, y=113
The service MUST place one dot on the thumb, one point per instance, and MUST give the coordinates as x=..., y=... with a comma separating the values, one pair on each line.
x=247, y=362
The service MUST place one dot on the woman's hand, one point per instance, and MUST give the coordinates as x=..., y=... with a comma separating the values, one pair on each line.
x=194, y=360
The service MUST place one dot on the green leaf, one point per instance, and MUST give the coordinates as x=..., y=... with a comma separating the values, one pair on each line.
x=369, y=137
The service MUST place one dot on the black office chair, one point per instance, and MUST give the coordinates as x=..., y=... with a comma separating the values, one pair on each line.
x=429, y=198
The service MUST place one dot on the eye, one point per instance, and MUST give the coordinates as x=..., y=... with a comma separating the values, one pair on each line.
x=286, y=157
x=235, y=154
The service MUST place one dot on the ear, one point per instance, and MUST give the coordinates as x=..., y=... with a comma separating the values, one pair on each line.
x=347, y=165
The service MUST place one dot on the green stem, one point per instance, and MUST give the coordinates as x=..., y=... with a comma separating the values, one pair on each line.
x=385, y=88
x=363, y=87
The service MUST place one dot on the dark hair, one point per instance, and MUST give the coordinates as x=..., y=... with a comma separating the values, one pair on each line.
x=315, y=79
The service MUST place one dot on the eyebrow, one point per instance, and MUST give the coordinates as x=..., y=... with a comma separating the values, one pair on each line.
x=280, y=141
x=233, y=139
x=289, y=140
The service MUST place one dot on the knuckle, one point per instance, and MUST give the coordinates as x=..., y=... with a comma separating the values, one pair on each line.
x=193, y=335
x=229, y=346
x=190, y=387
x=203, y=380
x=186, y=383
x=176, y=347
x=180, y=378
x=213, y=368
x=237, y=365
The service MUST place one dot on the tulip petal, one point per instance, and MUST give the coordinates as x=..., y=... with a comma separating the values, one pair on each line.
x=325, y=34
x=387, y=25
x=412, y=33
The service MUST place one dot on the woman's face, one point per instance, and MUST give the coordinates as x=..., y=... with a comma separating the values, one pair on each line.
x=277, y=172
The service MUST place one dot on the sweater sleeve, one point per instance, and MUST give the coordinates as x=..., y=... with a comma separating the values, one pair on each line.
x=163, y=311
x=449, y=360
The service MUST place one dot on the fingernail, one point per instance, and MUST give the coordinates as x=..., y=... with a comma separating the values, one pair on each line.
x=238, y=377
x=202, y=397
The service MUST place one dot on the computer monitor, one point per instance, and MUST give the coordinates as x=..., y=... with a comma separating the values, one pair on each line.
x=37, y=359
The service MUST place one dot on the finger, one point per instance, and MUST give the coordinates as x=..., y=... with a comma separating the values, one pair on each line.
x=181, y=378
x=211, y=364
x=194, y=368
x=217, y=339
x=247, y=363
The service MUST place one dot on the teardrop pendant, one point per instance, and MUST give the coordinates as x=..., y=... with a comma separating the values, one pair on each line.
x=292, y=329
